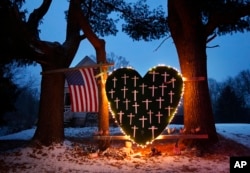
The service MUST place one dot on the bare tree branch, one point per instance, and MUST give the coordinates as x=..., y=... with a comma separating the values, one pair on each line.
x=162, y=43
x=97, y=43
x=211, y=38
x=212, y=46
x=37, y=15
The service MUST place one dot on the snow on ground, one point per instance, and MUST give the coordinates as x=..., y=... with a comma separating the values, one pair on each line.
x=237, y=132
x=71, y=157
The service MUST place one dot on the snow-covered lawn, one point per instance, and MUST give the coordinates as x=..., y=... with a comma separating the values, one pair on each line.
x=76, y=157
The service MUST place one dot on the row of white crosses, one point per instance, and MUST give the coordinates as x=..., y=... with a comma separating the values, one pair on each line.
x=142, y=119
x=135, y=92
x=149, y=113
x=152, y=128
x=142, y=86
x=146, y=101
x=135, y=78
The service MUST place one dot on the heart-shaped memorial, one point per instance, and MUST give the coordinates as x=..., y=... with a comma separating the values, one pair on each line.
x=143, y=107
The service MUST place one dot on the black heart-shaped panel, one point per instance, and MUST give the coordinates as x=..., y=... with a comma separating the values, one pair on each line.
x=143, y=107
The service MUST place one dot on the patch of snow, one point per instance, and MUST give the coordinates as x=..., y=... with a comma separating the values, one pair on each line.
x=69, y=156
x=237, y=132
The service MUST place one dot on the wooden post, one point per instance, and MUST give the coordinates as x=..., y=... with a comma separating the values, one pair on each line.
x=103, y=109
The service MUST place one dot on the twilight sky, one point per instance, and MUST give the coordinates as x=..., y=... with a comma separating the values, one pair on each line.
x=231, y=57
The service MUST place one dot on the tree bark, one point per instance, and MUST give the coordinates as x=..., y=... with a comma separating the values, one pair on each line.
x=55, y=56
x=50, y=121
x=190, y=40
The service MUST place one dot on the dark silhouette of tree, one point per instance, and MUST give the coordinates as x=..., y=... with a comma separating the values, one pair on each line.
x=87, y=19
x=230, y=107
x=193, y=24
x=214, y=90
x=9, y=92
x=242, y=84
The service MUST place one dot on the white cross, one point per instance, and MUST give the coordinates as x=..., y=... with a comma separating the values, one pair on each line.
x=112, y=93
x=126, y=102
x=134, y=130
x=117, y=101
x=125, y=78
x=153, y=90
x=165, y=75
x=171, y=96
x=124, y=89
x=169, y=110
x=153, y=73
x=153, y=128
x=135, y=105
x=147, y=102
x=130, y=118
x=172, y=81
x=134, y=92
x=159, y=115
x=142, y=87
x=120, y=116
x=160, y=100
x=135, y=78
x=143, y=119
x=114, y=80
x=162, y=86
x=150, y=113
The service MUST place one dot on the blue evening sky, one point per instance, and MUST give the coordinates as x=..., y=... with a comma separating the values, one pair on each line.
x=224, y=61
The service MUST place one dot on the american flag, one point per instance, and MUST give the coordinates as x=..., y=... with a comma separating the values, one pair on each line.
x=83, y=90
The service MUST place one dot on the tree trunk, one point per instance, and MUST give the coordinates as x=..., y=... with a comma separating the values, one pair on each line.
x=189, y=37
x=50, y=123
x=197, y=104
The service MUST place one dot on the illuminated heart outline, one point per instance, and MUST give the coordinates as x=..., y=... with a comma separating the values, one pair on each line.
x=158, y=93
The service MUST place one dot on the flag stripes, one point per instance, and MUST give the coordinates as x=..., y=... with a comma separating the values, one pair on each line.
x=83, y=90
